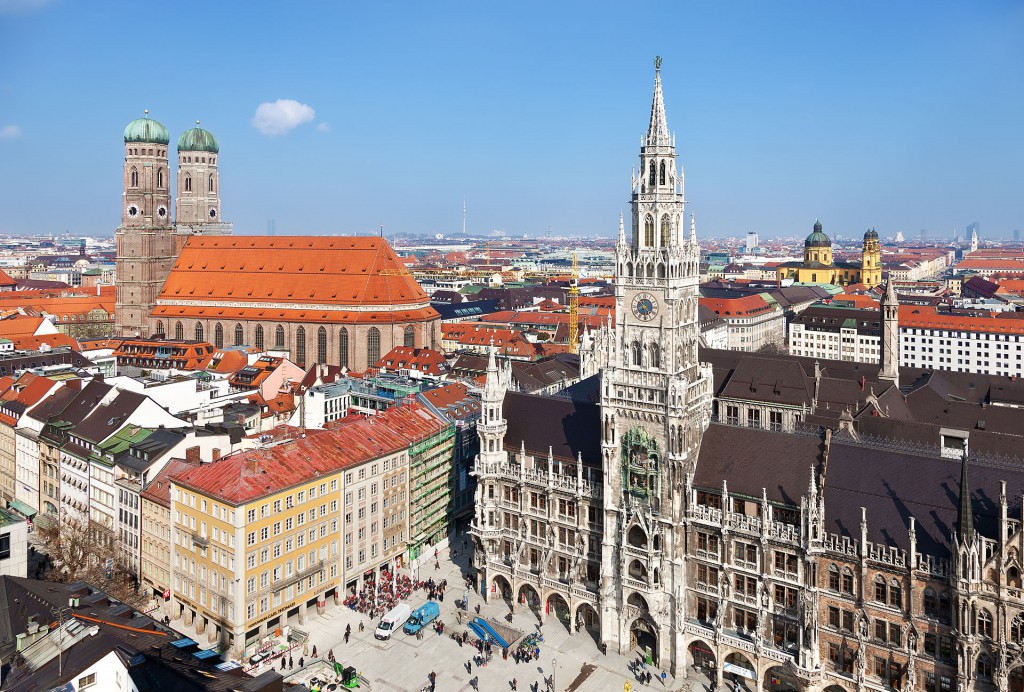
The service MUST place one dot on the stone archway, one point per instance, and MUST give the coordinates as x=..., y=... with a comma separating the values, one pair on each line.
x=529, y=597
x=588, y=619
x=502, y=587
x=1016, y=679
x=738, y=668
x=559, y=607
x=643, y=638
x=702, y=658
x=835, y=688
x=778, y=679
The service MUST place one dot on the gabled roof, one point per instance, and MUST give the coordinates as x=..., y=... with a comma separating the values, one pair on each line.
x=568, y=428
x=303, y=272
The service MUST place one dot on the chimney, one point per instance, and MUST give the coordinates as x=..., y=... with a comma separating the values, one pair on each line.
x=216, y=453
x=192, y=455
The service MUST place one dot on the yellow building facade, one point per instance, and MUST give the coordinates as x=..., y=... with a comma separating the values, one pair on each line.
x=819, y=267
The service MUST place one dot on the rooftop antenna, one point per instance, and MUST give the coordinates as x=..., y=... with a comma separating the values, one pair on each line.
x=463, y=216
x=60, y=612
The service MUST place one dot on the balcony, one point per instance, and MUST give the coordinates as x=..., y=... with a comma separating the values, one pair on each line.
x=201, y=541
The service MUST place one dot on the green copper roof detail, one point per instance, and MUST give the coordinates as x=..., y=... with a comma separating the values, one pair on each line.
x=198, y=139
x=147, y=130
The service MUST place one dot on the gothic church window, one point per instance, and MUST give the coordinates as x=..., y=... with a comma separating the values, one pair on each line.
x=343, y=348
x=372, y=346
x=188, y=183
x=653, y=174
x=321, y=345
x=160, y=178
x=159, y=327
x=135, y=178
x=1017, y=628
x=661, y=174
x=199, y=331
x=984, y=623
x=211, y=183
x=636, y=351
x=655, y=356
x=666, y=230
x=239, y=335
x=279, y=337
x=179, y=331
x=218, y=336
x=409, y=337
x=300, y=346
x=649, y=227
x=259, y=337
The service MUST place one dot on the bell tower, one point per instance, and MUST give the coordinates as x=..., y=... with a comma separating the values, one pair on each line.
x=198, y=203
x=655, y=404
x=145, y=238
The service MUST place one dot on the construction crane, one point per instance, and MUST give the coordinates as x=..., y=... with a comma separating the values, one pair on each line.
x=574, y=306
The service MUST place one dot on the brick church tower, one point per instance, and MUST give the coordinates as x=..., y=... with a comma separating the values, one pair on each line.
x=145, y=238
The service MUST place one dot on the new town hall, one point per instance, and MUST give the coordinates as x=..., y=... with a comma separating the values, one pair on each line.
x=771, y=520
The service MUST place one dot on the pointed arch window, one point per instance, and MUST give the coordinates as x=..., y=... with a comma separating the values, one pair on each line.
x=343, y=348
x=159, y=327
x=661, y=173
x=160, y=178
x=218, y=336
x=179, y=331
x=259, y=337
x=655, y=356
x=300, y=346
x=134, y=177
x=239, y=335
x=653, y=175
x=321, y=345
x=409, y=337
x=666, y=230
x=279, y=337
x=199, y=331
x=211, y=182
x=372, y=346
x=188, y=183
x=649, y=230
x=984, y=666
x=636, y=352
x=1017, y=628
x=984, y=623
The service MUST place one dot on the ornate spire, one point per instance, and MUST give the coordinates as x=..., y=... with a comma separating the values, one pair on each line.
x=890, y=293
x=657, y=131
x=622, y=230
x=964, y=517
x=693, y=230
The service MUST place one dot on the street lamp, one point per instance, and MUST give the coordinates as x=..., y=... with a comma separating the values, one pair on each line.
x=554, y=669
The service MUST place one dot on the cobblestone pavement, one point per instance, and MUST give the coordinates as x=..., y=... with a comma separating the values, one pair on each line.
x=403, y=663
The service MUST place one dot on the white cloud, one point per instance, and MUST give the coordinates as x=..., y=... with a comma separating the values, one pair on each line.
x=323, y=127
x=10, y=132
x=282, y=115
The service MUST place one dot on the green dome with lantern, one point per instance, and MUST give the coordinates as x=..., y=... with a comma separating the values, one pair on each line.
x=146, y=130
x=198, y=139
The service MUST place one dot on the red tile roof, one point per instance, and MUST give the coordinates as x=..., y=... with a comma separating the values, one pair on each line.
x=927, y=317
x=732, y=307
x=247, y=476
x=299, y=271
x=424, y=360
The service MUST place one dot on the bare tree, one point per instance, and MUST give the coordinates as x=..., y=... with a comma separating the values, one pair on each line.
x=89, y=552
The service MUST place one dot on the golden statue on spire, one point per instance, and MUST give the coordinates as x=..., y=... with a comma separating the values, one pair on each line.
x=657, y=62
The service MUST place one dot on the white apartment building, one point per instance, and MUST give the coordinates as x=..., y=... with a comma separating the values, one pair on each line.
x=960, y=343
x=752, y=321
x=836, y=333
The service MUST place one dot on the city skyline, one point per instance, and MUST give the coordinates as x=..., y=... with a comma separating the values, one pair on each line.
x=868, y=117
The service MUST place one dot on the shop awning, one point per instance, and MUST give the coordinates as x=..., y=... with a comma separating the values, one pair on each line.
x=22, y=508
x=739, y=670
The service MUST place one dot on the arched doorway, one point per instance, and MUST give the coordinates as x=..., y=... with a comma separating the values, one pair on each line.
x=1017, y=679
x=501, y=586
x=587, y=618
x=702, y=659
x=559, y=607
x=528, y=596
x=738, y=669
x=835, y=688
x=643, y=637
x=777, y=679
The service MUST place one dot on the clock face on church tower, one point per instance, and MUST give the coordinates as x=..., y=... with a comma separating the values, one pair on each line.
x=645, y=306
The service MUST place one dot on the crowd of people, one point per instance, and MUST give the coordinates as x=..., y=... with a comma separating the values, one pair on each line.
x=378, y=596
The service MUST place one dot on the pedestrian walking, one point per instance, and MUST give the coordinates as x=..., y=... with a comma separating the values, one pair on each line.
x=302, y=662
x=664, y=676
x=513, y=685
x=469, y=667
x=283, y=663
x=474, y=682
x=346, y=636
x=314, y=651
x=360, y=626
x=291, y=663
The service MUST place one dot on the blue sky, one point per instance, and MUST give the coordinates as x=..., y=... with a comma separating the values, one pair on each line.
x=904, y=116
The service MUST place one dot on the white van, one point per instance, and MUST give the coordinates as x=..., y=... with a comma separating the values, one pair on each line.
x=393, y=620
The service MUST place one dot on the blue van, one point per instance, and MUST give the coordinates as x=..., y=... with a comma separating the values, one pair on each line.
x=421, y=617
